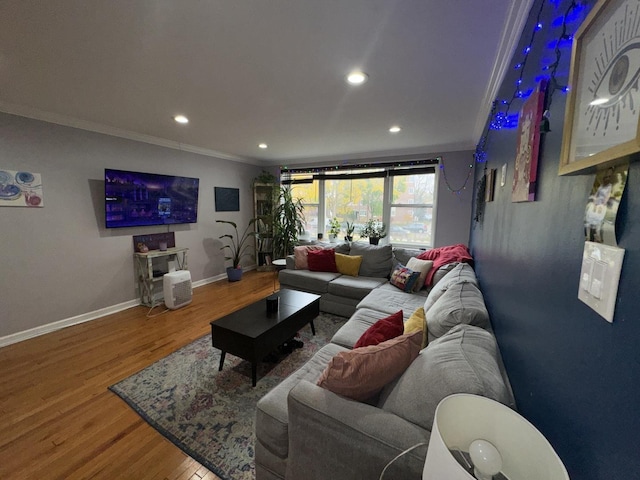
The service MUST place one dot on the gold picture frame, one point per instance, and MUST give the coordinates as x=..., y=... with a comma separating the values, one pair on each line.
x=602, y=117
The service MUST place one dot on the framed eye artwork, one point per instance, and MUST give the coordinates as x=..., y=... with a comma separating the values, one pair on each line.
x=602, y=118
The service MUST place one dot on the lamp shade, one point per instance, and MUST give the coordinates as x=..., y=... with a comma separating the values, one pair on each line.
x=462, y=419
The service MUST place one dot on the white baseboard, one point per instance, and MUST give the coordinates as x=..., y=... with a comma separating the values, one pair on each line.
x=87, y=317
x=67, y=322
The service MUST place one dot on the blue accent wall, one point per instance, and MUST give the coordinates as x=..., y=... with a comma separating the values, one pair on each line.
x=575, y=376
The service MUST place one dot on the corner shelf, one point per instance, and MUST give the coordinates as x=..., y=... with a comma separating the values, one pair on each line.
x=264, y=198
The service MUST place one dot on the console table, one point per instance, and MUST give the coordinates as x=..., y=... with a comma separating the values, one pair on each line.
x=151, y=267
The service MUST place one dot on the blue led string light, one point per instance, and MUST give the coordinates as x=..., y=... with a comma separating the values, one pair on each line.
x=501, y=118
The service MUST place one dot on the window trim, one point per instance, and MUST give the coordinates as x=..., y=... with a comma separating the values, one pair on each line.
x=385, y=170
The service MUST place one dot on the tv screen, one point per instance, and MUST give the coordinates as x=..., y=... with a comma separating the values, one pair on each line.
x=134, y=199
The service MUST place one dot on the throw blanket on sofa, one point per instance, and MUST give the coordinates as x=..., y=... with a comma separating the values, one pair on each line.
x=443, y=255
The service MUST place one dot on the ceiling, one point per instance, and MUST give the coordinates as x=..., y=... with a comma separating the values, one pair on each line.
x=252, y=71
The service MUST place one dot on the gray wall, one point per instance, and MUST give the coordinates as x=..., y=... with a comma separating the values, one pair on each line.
x=60, y=261
x=454, y=208
x=575, y=376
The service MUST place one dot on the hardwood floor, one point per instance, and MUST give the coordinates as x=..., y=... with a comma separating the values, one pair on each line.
x=59, y=421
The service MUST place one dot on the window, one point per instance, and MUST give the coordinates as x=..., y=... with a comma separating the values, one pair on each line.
x=353, y=201
x=411, y=213
x=401, y=195
x=309, y=194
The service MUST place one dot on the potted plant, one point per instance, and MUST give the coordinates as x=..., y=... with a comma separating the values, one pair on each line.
x=237, y=248
x=288, y=222
x=374, y=230
x=349, y=229
x=334, y=229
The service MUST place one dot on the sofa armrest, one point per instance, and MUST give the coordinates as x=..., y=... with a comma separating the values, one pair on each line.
x=291, y=262
x=337, y=438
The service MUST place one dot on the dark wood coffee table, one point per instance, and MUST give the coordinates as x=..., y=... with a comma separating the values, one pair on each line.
x=251, y=333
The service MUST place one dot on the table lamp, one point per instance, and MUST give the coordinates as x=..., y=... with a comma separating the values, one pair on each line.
x=474, y=437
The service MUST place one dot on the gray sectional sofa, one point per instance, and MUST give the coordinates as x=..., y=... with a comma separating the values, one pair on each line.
x=305, y=431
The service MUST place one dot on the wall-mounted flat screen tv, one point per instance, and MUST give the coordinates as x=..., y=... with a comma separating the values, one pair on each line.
x=134, y=199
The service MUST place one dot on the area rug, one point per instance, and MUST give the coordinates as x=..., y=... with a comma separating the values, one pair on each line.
x=209, y=414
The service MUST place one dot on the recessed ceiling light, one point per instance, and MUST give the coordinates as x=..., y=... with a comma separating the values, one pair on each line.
x=181, y=119
x=395, y=129
x=357, y=78
x=262, y=145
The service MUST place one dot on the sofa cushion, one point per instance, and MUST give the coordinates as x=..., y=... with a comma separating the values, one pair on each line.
x=343, y=248
x=384, y=329
x=462, y=303
x=322, y=260
x=422, y=266
x=361, y=373
x=272, y=416
x=402, y=255
x=348, y=264
x=462, y=272
x=404, y=278
x=388, y=299
x=314, y=282
x=300, y=255
x=354, y=287
x=341, y=306
x=442, y=271
x=376, y=259
x=463, y=361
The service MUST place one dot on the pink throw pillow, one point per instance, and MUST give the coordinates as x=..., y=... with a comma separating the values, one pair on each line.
x=300, y=256
x=322, y=260
x=383, y=330
x=361, y=373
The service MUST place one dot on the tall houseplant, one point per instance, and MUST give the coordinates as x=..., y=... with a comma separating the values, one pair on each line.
x=237, y=247
x=288, y=222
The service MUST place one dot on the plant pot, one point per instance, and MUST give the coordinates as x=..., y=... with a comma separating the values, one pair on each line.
x=332, y=238
x=374, y=240
x=234, y=274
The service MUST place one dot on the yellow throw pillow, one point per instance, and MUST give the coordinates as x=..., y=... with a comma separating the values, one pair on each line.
x=416, y=322
x=348, y=264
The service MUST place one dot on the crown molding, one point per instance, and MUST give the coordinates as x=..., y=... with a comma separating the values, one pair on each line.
x=516, y=19
x=58, y=119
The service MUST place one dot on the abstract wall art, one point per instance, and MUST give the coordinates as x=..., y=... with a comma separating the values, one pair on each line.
x=20, y=189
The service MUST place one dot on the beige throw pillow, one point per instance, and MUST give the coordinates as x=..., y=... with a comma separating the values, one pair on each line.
x=422, y=266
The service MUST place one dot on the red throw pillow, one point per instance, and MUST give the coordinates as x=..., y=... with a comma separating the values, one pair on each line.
x=322, y=260
x=383, y=330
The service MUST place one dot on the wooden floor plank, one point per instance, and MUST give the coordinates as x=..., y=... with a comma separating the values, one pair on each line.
x=60, y=421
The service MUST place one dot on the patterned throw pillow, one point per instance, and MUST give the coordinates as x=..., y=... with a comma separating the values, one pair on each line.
x=404, y=278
